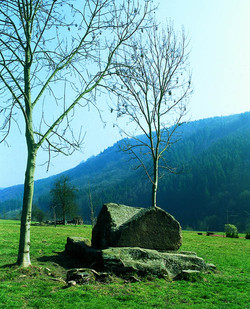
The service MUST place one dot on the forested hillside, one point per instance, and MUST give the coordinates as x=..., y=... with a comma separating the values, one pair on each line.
x=212, y=188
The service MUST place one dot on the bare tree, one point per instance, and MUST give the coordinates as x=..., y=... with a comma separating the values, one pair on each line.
x=92, y=208
x=53, y=56
x=153, y=85
x=63, y=196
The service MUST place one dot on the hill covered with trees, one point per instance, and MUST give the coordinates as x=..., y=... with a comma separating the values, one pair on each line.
x=212, y=187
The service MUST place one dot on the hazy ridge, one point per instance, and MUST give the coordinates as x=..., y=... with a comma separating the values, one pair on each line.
x=213, y=188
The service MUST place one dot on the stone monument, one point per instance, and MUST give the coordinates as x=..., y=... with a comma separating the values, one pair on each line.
x=137, y=240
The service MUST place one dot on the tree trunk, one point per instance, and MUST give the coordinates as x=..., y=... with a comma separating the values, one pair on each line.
x=64, y=214
x=155, y=184
x=54, y=212
x=24, y=241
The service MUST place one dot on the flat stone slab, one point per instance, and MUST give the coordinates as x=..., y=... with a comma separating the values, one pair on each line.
x=147, y=261
x=125, y=260
x=124, y=226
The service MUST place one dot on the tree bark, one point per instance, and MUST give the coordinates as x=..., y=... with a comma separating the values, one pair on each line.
x=155, y=184
x=24, y=241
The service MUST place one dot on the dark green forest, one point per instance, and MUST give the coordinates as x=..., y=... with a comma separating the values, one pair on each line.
x=211, y=188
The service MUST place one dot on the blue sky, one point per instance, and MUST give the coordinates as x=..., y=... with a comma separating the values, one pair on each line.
x=220, y=64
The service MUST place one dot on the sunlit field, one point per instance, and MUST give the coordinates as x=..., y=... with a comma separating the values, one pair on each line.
x=43, y=284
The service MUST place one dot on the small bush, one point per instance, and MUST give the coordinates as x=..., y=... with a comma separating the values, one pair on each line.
x=38, y=214
x=247, y=235
x=231, y=231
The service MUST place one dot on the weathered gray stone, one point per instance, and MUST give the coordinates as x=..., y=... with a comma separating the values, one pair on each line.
x=188, y=275
x=146, y=261
x=72, y=283
x=211, y=267
x=128, y=241
x=80, y=276
x=85, y=275
x=130, y=260
x=123, y=226
x=80, y=247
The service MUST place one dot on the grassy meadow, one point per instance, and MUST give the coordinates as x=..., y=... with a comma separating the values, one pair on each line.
x=43, y=286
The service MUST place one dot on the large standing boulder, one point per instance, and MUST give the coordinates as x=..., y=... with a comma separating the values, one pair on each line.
x=123, y=226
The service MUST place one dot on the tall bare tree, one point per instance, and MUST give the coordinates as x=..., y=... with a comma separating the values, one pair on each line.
x=153, y=86
x=53, y=56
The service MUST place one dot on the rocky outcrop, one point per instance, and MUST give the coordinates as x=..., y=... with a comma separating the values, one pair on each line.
x=130, y=260
x=81, y=247
x=128, y=241
x=123, y=226
x=147, y=261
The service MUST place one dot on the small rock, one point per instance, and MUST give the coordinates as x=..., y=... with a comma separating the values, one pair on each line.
x=71, y=283
x=101, y=277
x=80, y=276
x=211, y=266
x=132, y=279
x=188, y=275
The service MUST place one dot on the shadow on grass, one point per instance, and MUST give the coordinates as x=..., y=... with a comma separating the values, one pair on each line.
x=9, y=265
x=63, y=259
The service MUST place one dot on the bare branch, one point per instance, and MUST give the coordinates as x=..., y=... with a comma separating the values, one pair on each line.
x=153, y=85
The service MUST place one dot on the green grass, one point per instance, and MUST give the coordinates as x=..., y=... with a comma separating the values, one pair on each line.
x=40, y=287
